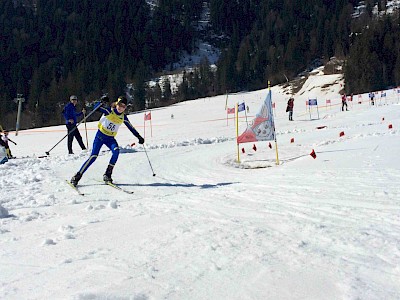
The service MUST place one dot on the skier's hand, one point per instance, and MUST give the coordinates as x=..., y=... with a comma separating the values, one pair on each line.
x=71, y=121
x=141, y=140
x=104, y=99
x=84, y=110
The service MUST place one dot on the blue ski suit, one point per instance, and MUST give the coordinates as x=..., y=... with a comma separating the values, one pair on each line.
x=108, y=127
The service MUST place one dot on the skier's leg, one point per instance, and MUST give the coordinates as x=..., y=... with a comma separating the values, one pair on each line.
x=113, y=146
x=8, y=152
x=93, y=156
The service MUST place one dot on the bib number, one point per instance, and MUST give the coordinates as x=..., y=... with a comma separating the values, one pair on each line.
x=111, y=127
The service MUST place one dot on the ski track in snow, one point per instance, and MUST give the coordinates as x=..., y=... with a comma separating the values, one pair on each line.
x=206, y=227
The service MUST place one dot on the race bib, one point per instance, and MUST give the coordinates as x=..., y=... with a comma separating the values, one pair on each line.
x=109, y=124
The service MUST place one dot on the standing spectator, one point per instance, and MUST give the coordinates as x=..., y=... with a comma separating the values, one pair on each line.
x=70, y=116
x=344, y=101
x=289, y=108
x=371, y=98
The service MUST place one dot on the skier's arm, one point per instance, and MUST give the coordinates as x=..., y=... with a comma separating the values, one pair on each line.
x=100, y=107
x=12, y=141
x=133, y=130
x=105, y=110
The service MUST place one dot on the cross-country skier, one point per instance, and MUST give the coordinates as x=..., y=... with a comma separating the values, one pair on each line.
x=3, y=154
x=6, y=139
x=108, y=126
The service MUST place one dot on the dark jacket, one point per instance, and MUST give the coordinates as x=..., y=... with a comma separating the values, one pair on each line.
x=69, y=112
x=2, y=143
x=290, y=105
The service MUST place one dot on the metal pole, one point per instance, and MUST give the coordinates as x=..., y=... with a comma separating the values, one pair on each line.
x=19, y=99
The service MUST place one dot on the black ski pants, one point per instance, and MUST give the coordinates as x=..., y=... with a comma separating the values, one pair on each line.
x=75, y=133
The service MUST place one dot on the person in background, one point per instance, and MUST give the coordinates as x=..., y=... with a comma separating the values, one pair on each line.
x=289, y=108
x=70, y=116
x=3, y=153
x=371, y=98
x=6, y=139
x=344, y=101
x=108, y=126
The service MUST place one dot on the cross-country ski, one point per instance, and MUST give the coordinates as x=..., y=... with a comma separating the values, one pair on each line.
x=75, y=188
x=118, y=187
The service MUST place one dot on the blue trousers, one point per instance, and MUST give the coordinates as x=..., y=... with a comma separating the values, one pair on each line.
x=100, y=140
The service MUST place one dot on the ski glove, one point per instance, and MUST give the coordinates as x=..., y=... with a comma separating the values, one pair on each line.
x=141, y=140
x=104, y=99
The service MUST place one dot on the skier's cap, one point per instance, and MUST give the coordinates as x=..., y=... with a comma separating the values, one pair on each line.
x=122, y=99
x=73, y=97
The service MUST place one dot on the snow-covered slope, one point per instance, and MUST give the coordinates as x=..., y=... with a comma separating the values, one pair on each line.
x=206, y=227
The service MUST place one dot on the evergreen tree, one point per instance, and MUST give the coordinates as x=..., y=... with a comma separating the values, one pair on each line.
x=167, y=93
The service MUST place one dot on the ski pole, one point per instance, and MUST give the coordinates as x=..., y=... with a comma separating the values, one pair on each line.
x=73, y=129
x=12, y=141
x=149, y=160
x=87, y=142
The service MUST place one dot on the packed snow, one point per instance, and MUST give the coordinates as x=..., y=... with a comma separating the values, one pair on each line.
x=207, y=226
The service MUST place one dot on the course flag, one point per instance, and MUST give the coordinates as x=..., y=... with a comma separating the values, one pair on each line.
x=147, y=117
x=262, y=128
x=230, y=111
x=241, y=107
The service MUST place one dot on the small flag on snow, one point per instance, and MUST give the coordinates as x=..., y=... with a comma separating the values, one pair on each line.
x=313, y=154
x=254, y=147
x=341, y=133
x=147, y=117
x=243, y=150
x=269, y=145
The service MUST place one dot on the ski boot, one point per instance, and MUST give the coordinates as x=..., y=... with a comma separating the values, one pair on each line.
x=75, y=179
x=107, y=174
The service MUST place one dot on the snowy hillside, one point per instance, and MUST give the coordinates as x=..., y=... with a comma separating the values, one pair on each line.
x=207, y=227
